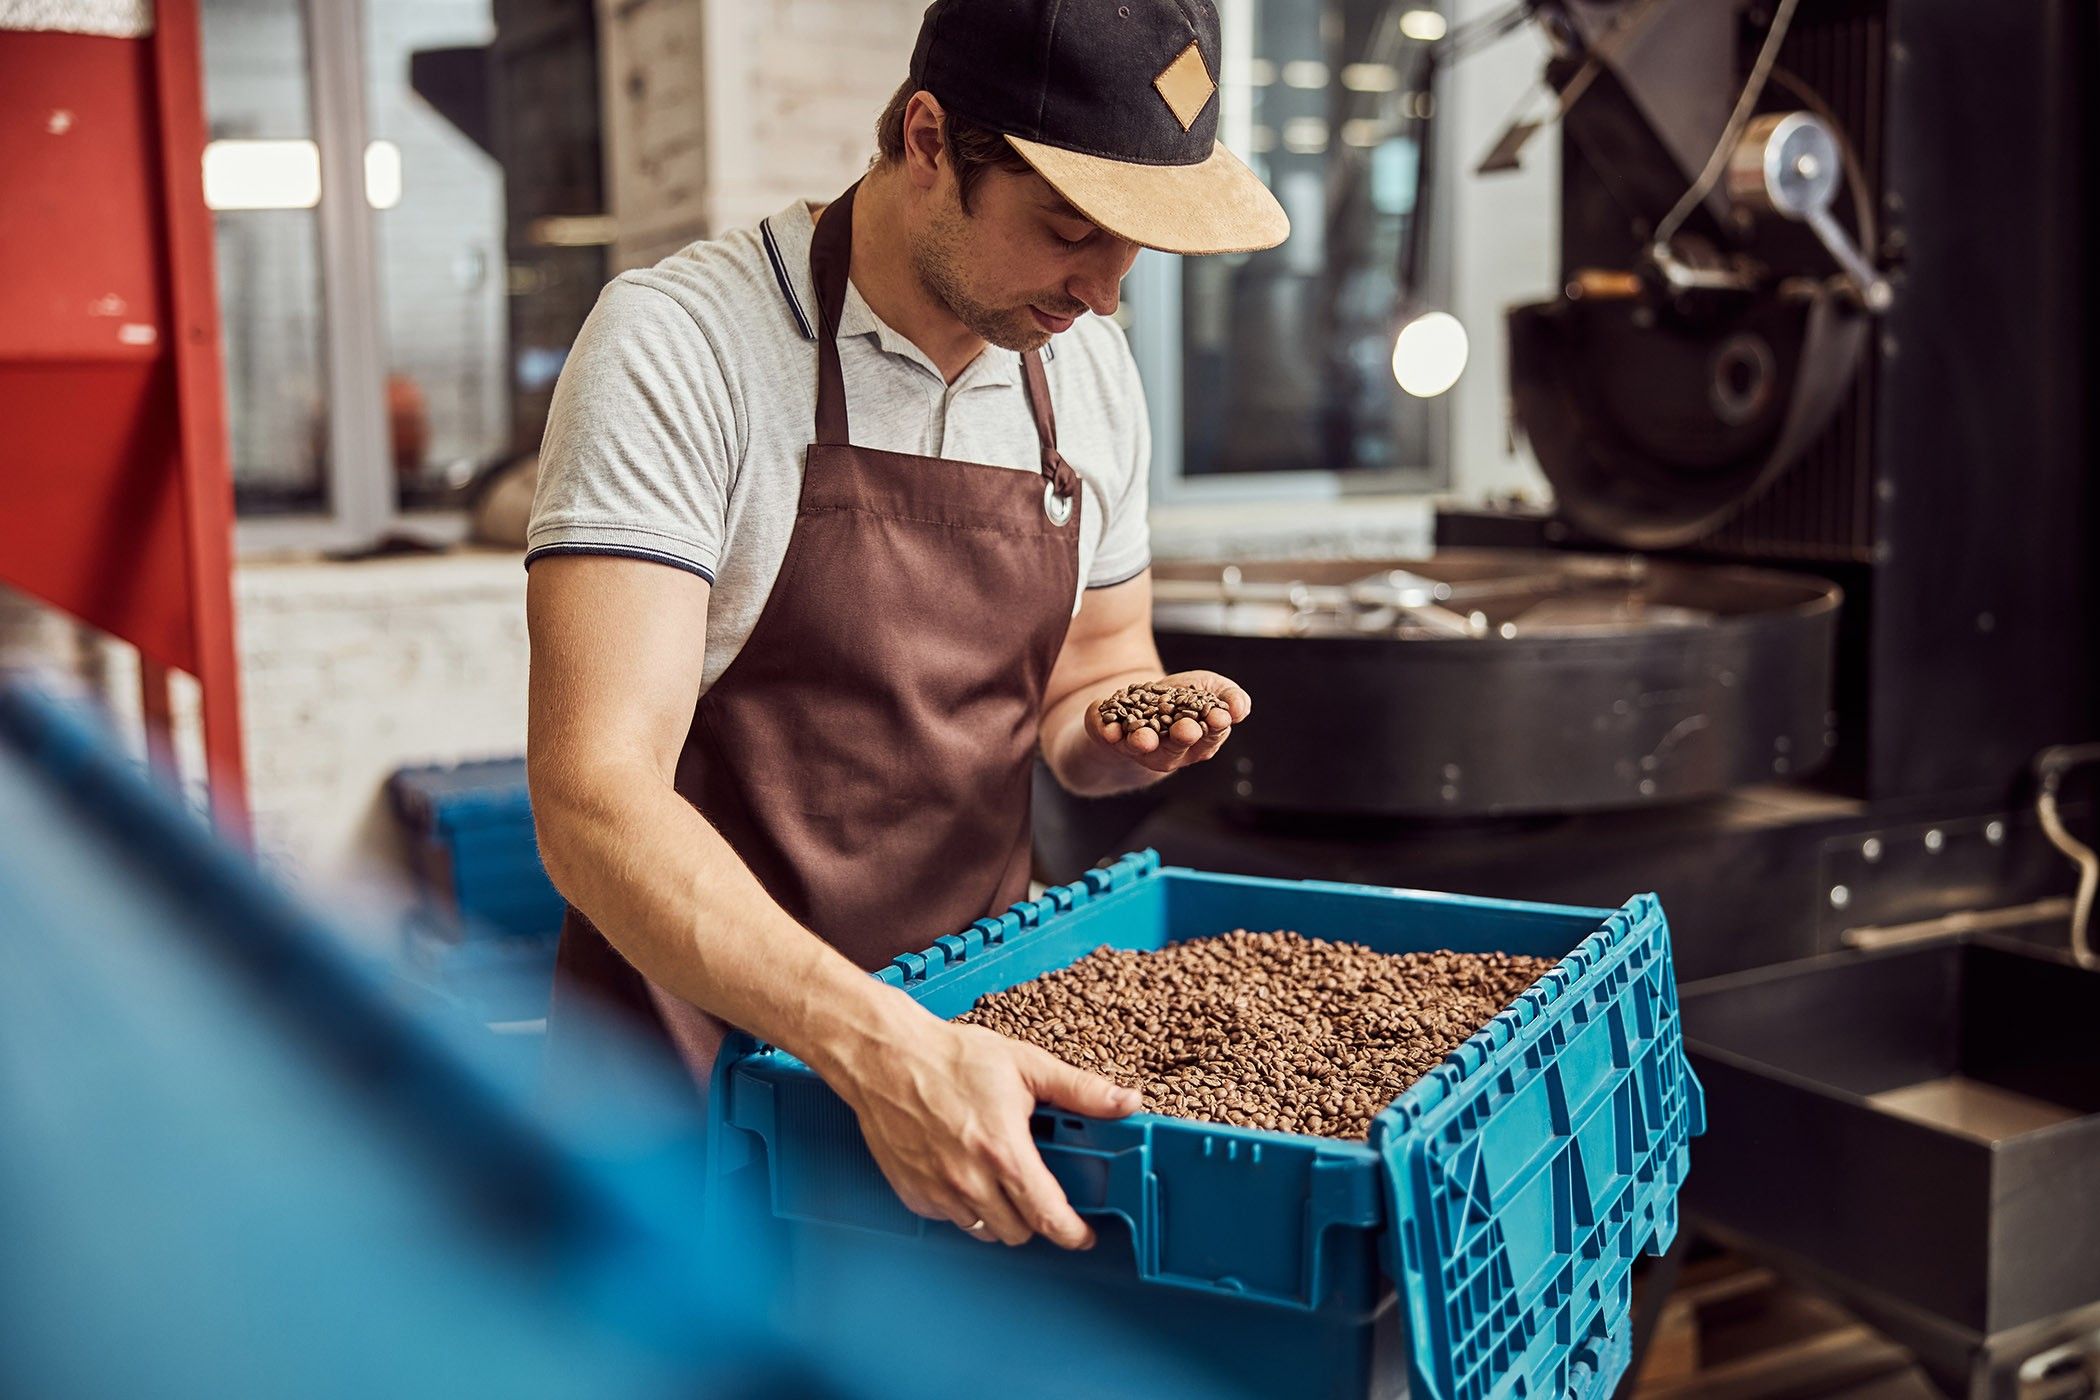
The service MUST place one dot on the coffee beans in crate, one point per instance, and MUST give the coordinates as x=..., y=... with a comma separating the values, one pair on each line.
x=1155, y=705
x=1262, y=1030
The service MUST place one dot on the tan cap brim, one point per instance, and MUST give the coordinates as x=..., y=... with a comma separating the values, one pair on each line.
x=1218, y=206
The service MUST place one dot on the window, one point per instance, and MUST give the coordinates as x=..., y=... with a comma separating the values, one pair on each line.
x=379, y=175
x=439, y=222
x=1271, y=374
x=262, y=178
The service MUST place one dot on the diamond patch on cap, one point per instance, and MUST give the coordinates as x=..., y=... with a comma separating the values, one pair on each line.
x=1186, y=85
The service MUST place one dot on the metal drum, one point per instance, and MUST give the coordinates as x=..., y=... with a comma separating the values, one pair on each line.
x=1499, y=682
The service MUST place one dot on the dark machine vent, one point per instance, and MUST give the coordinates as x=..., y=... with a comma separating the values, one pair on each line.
x=1822, y=509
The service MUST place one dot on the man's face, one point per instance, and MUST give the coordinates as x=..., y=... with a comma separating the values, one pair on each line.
x=1022, y=264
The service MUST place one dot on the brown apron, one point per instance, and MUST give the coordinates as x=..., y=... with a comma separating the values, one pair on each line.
x=868, y=753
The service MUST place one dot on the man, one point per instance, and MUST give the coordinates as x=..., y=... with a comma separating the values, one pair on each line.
x=790, y=669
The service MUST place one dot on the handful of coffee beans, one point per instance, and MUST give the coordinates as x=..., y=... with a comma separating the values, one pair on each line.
x=1156, y=705
x=1262, y=1030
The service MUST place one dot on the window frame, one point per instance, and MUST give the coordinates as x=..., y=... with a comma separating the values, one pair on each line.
x=363, y=498
x=1152, y=292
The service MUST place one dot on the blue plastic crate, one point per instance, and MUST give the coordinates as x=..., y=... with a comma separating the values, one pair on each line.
x=525, y=905
x=1479, y=1244
x=471, y=825
x=445, y=798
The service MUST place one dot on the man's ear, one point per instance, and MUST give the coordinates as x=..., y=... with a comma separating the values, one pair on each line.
x=925, y=142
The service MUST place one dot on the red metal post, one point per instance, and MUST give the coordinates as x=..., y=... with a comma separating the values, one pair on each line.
x=200, y=404
x=116, y=497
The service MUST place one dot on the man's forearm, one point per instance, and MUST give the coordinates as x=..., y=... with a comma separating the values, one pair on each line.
x=1081, y=766
x=669, y=892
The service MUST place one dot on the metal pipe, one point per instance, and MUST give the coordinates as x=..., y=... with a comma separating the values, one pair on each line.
x=2051, y=766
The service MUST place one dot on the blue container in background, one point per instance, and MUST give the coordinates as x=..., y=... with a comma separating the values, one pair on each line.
x=472, y=845
x=490, y=922
x=1479, y=1244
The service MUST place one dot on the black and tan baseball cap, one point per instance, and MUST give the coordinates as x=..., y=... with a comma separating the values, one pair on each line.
x=1115, y=103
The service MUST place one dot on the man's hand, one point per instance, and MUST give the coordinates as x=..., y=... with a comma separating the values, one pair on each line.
x=945, y=1111
x=1108, y=647
x=1186, y=741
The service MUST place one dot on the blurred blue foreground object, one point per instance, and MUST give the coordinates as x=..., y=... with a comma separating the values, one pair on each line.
x=236, y=1160
x=489, y=924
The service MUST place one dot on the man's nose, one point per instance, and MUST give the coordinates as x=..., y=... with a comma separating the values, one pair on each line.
x=1100, y=282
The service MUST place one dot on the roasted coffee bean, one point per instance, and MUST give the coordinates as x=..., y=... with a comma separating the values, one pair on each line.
x=1262, y=1030
x=1157, y=706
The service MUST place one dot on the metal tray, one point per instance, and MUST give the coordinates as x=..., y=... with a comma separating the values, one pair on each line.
x=1921, y=1125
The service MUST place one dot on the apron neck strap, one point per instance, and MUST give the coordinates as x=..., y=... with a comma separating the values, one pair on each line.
x=1055, y=469
x=830, y=258
x=830, y=254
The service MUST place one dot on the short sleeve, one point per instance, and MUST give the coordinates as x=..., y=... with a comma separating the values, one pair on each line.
x=642, y=439
x=1125, y=550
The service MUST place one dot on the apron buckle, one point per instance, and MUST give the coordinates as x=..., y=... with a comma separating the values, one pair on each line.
x=1056, y=504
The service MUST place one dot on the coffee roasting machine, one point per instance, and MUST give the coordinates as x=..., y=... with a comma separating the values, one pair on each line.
x=1804, y=643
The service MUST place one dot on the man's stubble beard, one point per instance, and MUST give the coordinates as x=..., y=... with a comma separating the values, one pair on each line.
x=938, y=259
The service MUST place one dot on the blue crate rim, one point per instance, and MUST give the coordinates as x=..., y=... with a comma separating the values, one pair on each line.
x=1572, y=976
x=1573, y=973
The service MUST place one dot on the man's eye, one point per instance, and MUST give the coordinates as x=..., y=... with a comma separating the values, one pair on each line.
x=1071, y=245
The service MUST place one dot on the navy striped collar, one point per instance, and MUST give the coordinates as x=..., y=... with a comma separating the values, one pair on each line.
x=787, y=251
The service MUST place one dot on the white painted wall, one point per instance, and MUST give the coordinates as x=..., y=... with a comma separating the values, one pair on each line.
x=353, y=670
x=794, y=87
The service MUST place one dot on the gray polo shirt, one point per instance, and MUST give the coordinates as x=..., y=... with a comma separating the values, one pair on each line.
x=678, y=428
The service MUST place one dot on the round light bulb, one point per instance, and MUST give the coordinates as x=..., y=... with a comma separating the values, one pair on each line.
x=1423, y=26
x=1430, y=354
